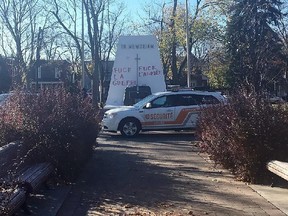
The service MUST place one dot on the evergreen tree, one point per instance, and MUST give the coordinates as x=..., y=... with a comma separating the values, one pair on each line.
x=255, y=50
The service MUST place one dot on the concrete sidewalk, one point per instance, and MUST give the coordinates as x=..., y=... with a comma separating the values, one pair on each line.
x=278, y=196
x=153, y=175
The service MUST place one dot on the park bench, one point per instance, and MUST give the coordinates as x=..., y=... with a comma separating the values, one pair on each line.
x=18, y=180
x=279, y=168
x=12, y=199
x=34, y=176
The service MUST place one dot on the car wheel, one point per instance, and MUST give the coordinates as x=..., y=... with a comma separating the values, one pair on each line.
x=130, y=127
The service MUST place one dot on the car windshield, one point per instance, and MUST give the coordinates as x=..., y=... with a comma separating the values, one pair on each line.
x=142, y=102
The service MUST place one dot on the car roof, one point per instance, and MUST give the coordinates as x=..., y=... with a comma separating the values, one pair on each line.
x=215, y=94
x=188, y=92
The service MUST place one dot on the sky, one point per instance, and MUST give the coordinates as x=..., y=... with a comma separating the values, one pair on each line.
x=136, y=6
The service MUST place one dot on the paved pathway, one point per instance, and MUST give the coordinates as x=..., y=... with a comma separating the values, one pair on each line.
x=159, y=175
x=156, y=174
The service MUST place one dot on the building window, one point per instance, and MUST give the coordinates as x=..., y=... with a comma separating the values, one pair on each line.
x=57, y=73
x=39, y=72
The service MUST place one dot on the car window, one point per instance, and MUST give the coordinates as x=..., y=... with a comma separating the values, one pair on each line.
x=158, y=102
x=209, y=99
x=165, y=101
x=143, y=101
x=183, y=100
x=186, y=100
x=195, y=99
x=171, y=101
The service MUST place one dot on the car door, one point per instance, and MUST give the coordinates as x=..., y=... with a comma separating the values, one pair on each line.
x=190, y=106
x=160, y=114
x=186, y=111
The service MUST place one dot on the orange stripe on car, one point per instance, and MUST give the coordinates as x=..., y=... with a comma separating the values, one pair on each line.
x=179, y=120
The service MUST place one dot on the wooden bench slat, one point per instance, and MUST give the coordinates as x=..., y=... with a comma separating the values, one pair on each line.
x=28, y=178
x=14, y=202
x=8, y=155
x=35, y=175
x=279, y=168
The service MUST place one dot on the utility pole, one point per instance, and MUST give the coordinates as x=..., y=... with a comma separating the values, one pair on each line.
x=82, y=53
x=137, y=72
x=38, y=50
x=188, y=48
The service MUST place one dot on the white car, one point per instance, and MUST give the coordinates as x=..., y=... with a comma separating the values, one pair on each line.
x=3, y=98
x=160, y=111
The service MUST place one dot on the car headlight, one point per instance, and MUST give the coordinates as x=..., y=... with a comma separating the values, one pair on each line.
x=110, y=115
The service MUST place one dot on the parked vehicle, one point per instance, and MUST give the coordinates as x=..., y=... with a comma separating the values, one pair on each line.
x=160, y=111
x=3, y=98
x=276, y=100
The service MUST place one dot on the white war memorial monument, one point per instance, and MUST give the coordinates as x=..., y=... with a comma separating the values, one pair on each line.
x=137, y=63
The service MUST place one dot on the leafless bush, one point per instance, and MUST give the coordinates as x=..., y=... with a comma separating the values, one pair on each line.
x=245, y=134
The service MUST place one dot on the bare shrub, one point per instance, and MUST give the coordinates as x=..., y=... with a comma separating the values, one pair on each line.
x=54, y=125
x=244, y=135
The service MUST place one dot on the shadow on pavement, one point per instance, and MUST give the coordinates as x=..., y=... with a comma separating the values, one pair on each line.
x=154, y=172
